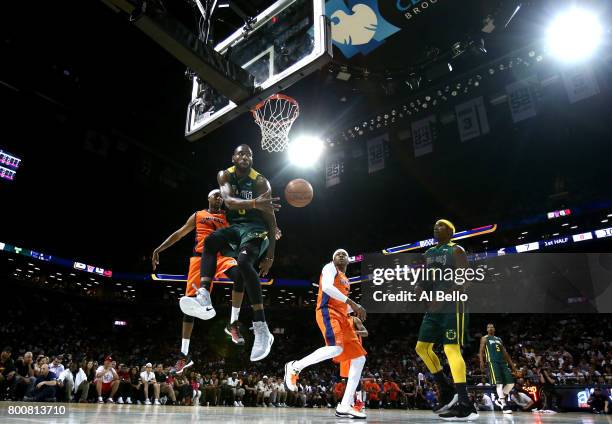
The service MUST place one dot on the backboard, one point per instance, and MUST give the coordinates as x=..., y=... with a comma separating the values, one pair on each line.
x=286, y=42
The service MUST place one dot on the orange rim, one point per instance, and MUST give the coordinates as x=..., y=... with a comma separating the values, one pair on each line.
x=274, y=97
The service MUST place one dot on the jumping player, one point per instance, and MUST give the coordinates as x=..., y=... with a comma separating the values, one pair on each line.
x=446, y=326
x=341, y=341
x=204, y=223
x=498, y=360
x=252, y=233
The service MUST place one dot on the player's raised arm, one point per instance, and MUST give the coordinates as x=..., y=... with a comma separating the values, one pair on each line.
x=174, y=237
x=265, y=202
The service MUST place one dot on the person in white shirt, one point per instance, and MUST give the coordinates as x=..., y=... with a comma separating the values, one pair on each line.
x=280, y=393
x=148, y=379
x=237, y=391
x=341, y=341
x=56, y=366
x=263, y=391
x=522, y=400
x=107, y=381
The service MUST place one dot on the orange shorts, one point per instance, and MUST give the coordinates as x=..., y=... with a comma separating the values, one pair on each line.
x=223, y=264
x=338, y=330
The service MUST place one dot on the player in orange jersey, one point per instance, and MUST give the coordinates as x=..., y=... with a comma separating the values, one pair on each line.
x=345, y=366
x=342, y=343
x=196, y=302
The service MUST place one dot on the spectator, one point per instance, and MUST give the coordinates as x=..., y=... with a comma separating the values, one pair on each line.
x=409, y=390
x=107, y=381
x=522, y=401
x=339, y=389
x=235, y=389
x=44, y=386
x=90, y=372
x=56, y=366
x=24, y=375
x=550, y=397
x=81, y=383
x=250, y=389
x=263, y=392
x=125, y=385
x=195, y=387
x=392, y=393
x=599, y=401
x=166, y=388
x=136, y=385
x=147, y=377
x=182, y=386
x=211, y=389
x=7, y=373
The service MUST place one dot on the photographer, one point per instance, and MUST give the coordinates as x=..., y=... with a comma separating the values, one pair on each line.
x=550, y=397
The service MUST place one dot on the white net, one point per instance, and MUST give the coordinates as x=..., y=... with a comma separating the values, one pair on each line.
x=275, y=115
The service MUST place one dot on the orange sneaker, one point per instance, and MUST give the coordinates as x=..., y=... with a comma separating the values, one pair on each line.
x=359, y=405
x=291, y=376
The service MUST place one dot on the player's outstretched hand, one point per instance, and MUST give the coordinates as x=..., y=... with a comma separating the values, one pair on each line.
x=267, y=203
x=155, y=259
x=359, y=311
x=265, y=265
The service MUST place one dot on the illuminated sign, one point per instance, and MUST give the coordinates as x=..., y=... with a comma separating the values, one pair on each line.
x=527, y=247
x=7, y=174
x=556, y=241
x=92, y=269
x=40, y=256
x=8, y=160
x=559, y=214
x=2, y=246
x=355, y=259
x=583, y=237
x=120, y=323
x=606, y=232
x=532, y=391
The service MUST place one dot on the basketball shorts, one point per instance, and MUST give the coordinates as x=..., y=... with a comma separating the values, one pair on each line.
x=338, y=330
x=444, y=328
x=499, y=373
x=237, y=235
x=223, y=264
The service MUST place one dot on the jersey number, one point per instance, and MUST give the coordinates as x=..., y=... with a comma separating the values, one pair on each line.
x=497, y=348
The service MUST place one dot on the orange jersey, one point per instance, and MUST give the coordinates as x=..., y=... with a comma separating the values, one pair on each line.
x=207, y=223
x=325, y=301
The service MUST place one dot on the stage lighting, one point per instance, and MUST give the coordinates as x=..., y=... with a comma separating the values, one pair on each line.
x=305, y=151
x=574, y=35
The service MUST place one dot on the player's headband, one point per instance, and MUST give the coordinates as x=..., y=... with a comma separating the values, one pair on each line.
x=447, y=223
x=213, y=192
x=339, y=251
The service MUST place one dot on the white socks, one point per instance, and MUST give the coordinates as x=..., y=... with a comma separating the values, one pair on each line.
x=319, y=355
x=185, y=346
x=353, y=380
x=508, y=388
x=235, y=314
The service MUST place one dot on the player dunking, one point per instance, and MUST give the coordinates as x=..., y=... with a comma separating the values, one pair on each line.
x=204, y=222
x=252, y=233
x=341, y=341
x=498, y=360
x=446, y=327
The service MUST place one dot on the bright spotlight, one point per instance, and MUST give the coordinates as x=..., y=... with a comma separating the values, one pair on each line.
x=305, y=151
x=574, y=35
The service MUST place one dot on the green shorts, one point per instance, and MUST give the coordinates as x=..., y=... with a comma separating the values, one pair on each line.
x=237, y=235
x=499, y=373
x=444, y=328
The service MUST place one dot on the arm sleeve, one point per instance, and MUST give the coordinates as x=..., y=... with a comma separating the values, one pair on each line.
x=327, y=282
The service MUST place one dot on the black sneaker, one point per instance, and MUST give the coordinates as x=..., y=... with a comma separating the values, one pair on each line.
x=506, y=409
x=233, y=330
x=447, y=400
x=460, y=412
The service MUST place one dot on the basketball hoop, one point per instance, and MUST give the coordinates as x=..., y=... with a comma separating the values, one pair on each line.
x=275, y=115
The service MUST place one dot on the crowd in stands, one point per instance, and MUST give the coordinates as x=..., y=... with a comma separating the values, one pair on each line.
x=66, y=347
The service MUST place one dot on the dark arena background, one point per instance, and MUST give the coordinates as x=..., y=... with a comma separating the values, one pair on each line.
x=117, y=115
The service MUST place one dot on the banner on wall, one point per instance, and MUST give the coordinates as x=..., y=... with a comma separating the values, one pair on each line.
x=580, y=83
x=472, y=119
x=334, y=168
x=423, y=135
x=522, y=97
x=376, y=153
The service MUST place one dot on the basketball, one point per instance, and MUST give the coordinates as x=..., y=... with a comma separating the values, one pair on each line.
x=298, y=193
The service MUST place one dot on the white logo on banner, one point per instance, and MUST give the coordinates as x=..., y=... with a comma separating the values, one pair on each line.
x=582, y=237
x=472, y=119
x=528, y=247
x=423, y=135
x=376, y=154
x=522, y=98
x=334, y=167
x=606, y=232
x=580, y=83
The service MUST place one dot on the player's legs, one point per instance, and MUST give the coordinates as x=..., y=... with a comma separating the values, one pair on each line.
x=232, y=329
x=354, y=376
x=247, y=258
x=186, y=333
x=196, y=302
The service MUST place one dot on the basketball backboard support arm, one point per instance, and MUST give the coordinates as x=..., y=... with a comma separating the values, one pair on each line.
x=229, y=79
x=286, y=42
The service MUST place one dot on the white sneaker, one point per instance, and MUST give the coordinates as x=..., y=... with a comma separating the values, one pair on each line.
x=120, y=400
x=100, y=400
x=240, y=403
x=499, y=403
x=128, y=400
x=349, y=412
x=199, y=306
x=263, y=341
x=291, y=376
x=110, y=400
x=236, y=403
x=157, y=402
x=147, y=402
